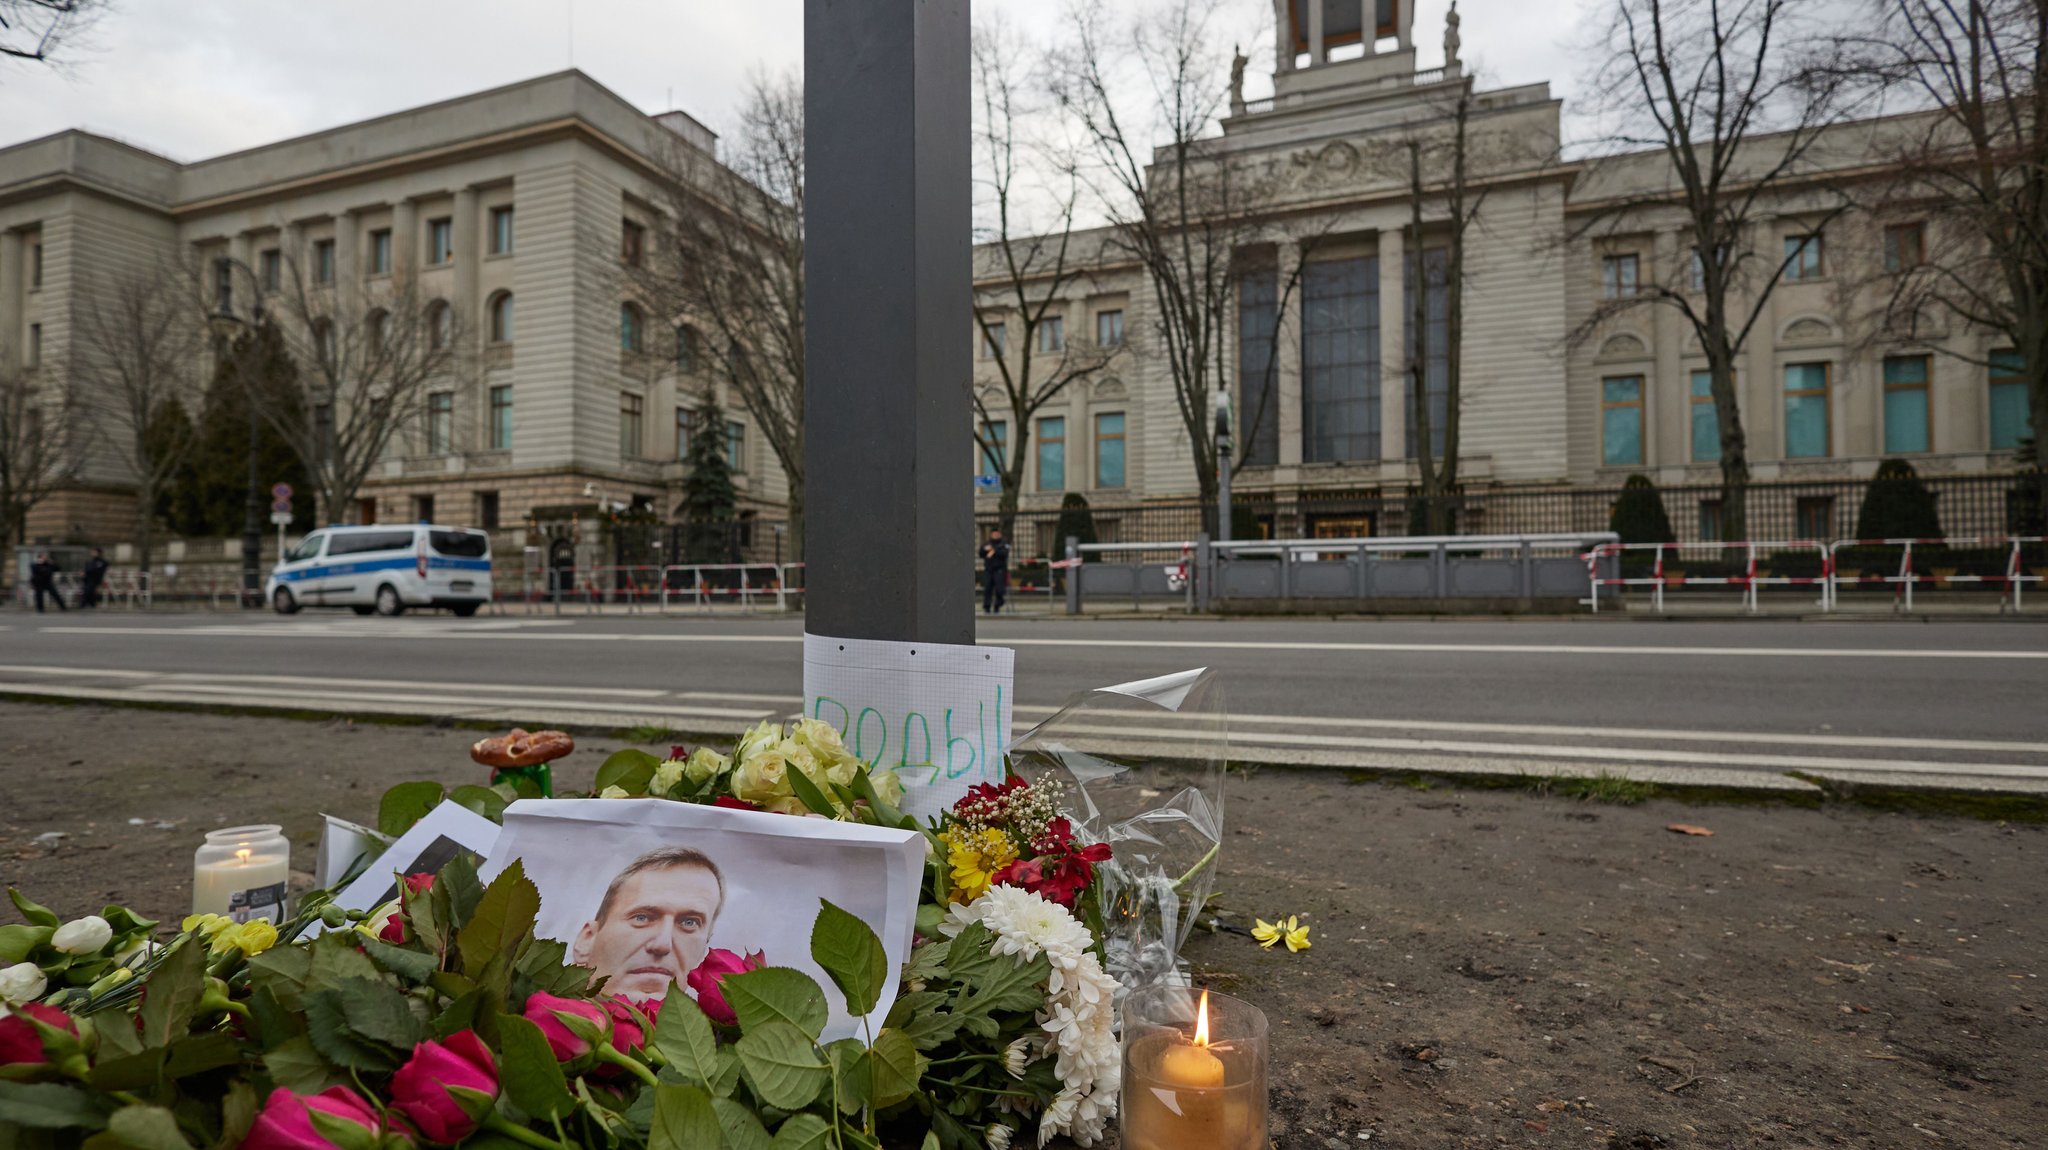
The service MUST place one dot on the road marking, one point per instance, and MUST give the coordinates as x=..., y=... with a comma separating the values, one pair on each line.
x=297, y=697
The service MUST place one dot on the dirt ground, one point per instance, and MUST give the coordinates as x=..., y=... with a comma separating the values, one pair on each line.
x=1488, y=969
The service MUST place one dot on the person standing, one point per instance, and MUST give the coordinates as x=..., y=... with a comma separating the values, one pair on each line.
x=95, y=574
x=995, y=572
x=42, y=577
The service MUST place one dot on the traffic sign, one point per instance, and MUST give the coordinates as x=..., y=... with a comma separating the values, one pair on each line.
x=987, y=482
x=281, y=518
x=281, y=507
x=281, y=492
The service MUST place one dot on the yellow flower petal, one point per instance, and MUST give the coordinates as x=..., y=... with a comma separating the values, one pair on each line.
x=1265, y=932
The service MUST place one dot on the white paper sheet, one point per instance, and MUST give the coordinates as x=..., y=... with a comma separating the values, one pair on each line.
x=428, y=846
x=936, y=714
x=341, y=844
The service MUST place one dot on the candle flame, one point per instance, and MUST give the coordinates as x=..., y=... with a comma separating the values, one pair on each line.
x=243, y=854
x=1202, y=1022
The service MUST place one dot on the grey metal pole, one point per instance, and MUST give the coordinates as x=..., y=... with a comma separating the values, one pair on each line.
x=1073, y=576
x=888, y=516
x=1223, y=466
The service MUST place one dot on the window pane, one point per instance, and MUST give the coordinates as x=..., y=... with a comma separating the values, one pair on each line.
x=1340, y=360
x=2009, y=418
x=1905, y=419
x=1052, y=455
x=501, y=417
x=1109, y=328
x=736, y=445
x=1806, y=426
x=1257, y=417
x=1621, y=431
x=1109, y=450
x=1905, y=369
x=1436, y=368
x=994, y=452
x=1706, y=421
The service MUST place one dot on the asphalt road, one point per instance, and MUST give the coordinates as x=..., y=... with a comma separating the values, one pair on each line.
x=1957, y=701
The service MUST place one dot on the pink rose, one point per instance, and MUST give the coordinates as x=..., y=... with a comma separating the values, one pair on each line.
x=285, y=1125
x=447, y=1087
x=705, y=979
x=418, y=882
x=628, y=1032
x=547, y=1011
x=20, y=1043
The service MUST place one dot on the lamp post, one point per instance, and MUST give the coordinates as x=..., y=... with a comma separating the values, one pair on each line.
x=1223, y=465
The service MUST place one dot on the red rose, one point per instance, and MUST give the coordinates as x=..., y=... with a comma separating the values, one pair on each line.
x=394, y=928
x=631, y=1021
x=551, y=1012
x=20, y=1042
x=419, y=882
x=447, y=1087
x=733, y=803
x=705, y=979
x=286, y=1125
x=678, y=751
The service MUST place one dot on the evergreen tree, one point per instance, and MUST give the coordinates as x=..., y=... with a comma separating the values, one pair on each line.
x=710, y=502
x=1076, y=520
x=1897, y=505
x=208, y=496
x=1639, y=516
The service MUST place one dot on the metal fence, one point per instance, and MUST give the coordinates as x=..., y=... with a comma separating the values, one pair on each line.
x=1821, y=510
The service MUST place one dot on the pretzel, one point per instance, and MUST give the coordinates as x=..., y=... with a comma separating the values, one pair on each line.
x=522, y=748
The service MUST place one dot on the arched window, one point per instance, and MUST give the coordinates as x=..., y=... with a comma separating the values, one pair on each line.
x=440, y=324
x=630, y=327
x=501, y=317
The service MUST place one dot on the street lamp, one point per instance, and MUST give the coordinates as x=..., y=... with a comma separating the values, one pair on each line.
x=1223, y=465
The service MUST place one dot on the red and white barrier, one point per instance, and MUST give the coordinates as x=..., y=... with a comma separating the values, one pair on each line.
x=1748, y=581
x=2011, y=583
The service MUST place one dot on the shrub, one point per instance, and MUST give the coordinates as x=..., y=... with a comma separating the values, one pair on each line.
x=1897, y=505
x=1638, y=516
x=1075, y=520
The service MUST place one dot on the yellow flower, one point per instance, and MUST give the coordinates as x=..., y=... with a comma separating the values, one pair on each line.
x=763, y=777
x=1293, y=932
x=253, y=937
x=975, y=857
x=704, y=763
x=207, y=926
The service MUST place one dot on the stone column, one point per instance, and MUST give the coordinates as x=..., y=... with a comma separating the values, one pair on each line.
x=1283, y=37
x=242, y=277
x=469, y=252
x=1287, y=372
x=1667, y=394
x=1759, y=388
x=1316, y=52
x=345, y=228
x=12, y=276
x=1393, y=356
x=404, y=239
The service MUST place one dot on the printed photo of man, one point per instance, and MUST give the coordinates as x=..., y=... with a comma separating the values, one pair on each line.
x=654, y=925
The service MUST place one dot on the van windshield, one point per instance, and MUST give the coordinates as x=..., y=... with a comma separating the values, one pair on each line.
x=461, y=544
x=307, y=548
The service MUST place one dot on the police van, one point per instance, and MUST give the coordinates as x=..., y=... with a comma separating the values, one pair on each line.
x=384, y=569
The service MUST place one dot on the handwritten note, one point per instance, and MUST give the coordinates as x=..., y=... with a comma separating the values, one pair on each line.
x=937, y=715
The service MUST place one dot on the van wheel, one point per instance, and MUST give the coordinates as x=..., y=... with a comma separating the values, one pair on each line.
x=283, y=601
x=463, y=610
x=388, y=602
x=362, y=610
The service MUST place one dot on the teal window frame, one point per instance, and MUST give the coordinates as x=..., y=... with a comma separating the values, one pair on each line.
x=1908, y=407
x=1052, y=453
x=1109, y=449
x=1806, y=406
x=1621, y=421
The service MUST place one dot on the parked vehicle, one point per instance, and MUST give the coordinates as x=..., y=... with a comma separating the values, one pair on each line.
x=385, y=569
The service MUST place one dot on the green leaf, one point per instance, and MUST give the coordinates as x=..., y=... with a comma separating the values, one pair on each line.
x=742, y=1127
x=175, y=988
x=776, y=994
x=683, y=1119
x=363, y=1024
x=460, y=1014
x=528, y=1070
x=782, y=1065
x=807, y=792
x=341, y=1131
x=728, y=1078
x=36, y=913
x=803, y=1132
x=18, y=941
x=238, y=1110
x=184, y=1058
x=147, y=1128
x=481, y=800
x=890, y=1069
x=336, y=959
x=410, y=965
x=296, y=1065
x=630, y=770
x=503, y=919
x=405, y=804
x=684, y=1037
x=843, y=1055
x=849, y=951
x=50, y=1106
x=459, y=882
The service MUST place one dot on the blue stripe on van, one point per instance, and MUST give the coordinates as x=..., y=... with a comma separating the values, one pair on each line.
x=324, y=570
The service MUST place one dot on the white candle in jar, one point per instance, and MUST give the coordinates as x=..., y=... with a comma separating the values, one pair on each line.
x=242, y=872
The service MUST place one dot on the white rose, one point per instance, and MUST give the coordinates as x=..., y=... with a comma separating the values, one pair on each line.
x=22, y=982
x=667, y=775
x=83, y=935
x=613, y=793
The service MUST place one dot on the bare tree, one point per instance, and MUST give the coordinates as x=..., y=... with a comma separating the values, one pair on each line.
x=366, y=359
x=1730, y=93
x=1181, y=210
x=44, y=434
x=135, y=359
x=1028, y=270
x=37, y=29
x=727, y=266
x=1974, y=168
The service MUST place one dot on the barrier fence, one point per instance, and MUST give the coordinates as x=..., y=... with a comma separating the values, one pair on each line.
x=2008, y=563
x=639, y=587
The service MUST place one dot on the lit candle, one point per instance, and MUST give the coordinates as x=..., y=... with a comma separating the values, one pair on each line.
x=1181, y=1101
x=242, y=872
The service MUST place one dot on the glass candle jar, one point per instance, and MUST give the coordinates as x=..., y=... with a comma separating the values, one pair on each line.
x=1194, y=1071
x=242, y=872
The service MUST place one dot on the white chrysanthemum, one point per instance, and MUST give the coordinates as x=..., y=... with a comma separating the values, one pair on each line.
x=1017, y=1056
x=1059, y=1113
x=997, y=1136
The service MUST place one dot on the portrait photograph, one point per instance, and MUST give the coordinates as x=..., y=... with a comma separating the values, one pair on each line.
x=647, y=892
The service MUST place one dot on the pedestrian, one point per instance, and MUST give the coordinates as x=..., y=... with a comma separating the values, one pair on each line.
x=42, y=576
x=995, y=572
x=95, y=574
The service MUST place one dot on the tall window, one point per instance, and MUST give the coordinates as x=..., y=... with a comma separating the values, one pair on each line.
x=1621, y=421
x=377, y=326
x=632, y=243
x=35, y=266
x=1618, y=275
x=686, y=349
x=323, y=430
x=487, y=510
x=1696, y=275
x=501, y=317
x=271, y=263
x=1436, y=359
x=440, y=324
x=1052, y=333
x=735, y=445
x=323, y=261
x=630, y=325
x=440, y=241
x=995, y=448
x=1710, y=521
x=1906, y=410
x=1256, y=422
x=1109, y=328
x=1052, y=454
x=631, y=407
x=2010, y=420
x=423, y=508
x=224, y=287
x=440, y=422
x=682, y=433
x=1905, y=246
x=35, y=352
x=1706, y=420
x=993, y=337
x=1806, y=410
x=501, y=417
x=1803, y=257
x=1340, y=360
x=380, y=252
x=1109, y=449
x=501, y=231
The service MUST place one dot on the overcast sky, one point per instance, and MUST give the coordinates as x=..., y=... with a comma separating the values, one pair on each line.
x=197, y=78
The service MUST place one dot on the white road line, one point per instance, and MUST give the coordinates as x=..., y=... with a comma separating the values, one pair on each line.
x=439, y=685
x=90, y=672
x=296, y=697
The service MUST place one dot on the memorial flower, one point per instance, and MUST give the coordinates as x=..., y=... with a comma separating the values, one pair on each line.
x=974, y=858
x=83, y=935
x=446, y=1088
x=21, y=1044
x=287, y=1124
x=705, y=764
x=1290, y=930
x=705, y=979
x=22, y=982
x=556, y=1017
